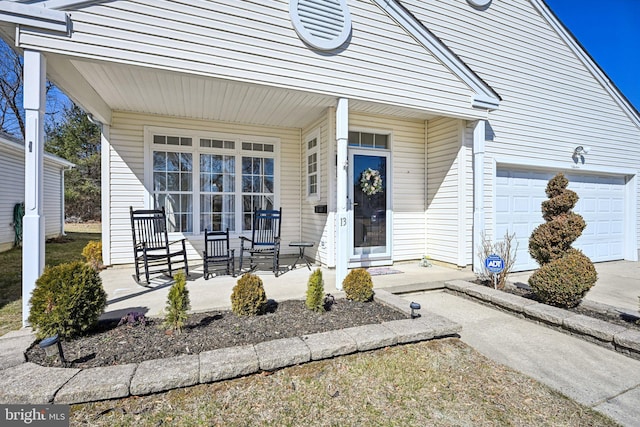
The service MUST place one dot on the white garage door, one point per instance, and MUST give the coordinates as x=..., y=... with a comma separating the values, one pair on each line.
x=519, y=194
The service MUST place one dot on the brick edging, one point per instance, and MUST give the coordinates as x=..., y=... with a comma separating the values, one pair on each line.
x=614, y=337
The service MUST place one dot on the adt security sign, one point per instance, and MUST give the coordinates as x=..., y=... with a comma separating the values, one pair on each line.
x=494, y=263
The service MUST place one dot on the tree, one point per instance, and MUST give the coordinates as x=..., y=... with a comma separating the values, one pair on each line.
x=11, y=85
x=76, y=139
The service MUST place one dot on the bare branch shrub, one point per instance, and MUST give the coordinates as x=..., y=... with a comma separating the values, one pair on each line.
x=506, y=249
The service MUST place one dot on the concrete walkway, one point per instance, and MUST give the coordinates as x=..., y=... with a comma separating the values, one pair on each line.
x=590, y=374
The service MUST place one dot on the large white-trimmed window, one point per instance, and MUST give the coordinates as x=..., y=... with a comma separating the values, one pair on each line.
x=210, y=181
x=312, y=146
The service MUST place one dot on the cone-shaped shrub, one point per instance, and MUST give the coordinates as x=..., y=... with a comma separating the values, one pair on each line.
x=68, y=300
x=358, y=286
x=178, y=303
x=248, y=297
x=565, y=274
x=315, y=292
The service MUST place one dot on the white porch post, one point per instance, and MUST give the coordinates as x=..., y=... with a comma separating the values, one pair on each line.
x=478, y=192
x=342, y=237
x=35, y=68
x=105, y=178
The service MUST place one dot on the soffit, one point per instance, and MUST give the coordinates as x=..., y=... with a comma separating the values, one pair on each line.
x=144, y=90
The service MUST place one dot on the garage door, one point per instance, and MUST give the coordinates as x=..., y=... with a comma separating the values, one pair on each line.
x=519, y=194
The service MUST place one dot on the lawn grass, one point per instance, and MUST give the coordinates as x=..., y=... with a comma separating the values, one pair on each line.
x=57, y=251
x=436, y=383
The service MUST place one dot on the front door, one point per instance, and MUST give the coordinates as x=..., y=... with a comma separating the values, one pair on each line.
x=369, y=194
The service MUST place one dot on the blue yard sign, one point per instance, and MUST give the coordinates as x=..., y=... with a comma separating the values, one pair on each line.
x=494, y=263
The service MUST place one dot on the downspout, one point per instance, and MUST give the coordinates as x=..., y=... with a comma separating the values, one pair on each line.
x=62, y=205
x=478, y=192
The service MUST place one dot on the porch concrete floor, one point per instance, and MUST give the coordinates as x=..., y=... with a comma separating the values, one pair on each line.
x=124, y=295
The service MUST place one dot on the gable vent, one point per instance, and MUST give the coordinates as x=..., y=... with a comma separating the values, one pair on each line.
x=323, y=24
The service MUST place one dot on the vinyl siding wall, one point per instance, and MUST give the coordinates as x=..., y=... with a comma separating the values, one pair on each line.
x=318, y=227
x=127, y=176
x=449, y=195
x=551, y=101
x=254, y=41
x=12, y=192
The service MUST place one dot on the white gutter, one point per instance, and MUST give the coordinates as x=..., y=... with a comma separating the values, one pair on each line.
x=34, y=16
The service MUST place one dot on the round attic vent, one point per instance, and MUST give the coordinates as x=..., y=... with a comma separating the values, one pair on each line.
x=323, y=24
x=479, y=4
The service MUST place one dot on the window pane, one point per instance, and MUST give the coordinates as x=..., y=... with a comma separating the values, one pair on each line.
x=268, y=184
x=382, y=141
x=366, y=140
x=185, y=182
x=159, y=181
x=354, y=138
x=268, y=166
x=159, y=139
x=159, y=161
x=173, y=140
x=173, y=181
x=173, y=161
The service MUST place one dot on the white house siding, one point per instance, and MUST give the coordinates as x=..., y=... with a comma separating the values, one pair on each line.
x=12, y=181
x=254, y=41
x=127, y=175
x=448, y=192
x=12, y=192
x=551, y=102
x=316, y=227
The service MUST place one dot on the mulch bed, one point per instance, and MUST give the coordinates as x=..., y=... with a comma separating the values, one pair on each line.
x=111, y=344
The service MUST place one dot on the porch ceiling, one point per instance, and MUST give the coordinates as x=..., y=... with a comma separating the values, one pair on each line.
x=144, y=90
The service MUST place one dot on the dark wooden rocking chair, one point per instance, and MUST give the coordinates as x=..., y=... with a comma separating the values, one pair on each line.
x=217, y=252
x=151, y=246
x=265, y=240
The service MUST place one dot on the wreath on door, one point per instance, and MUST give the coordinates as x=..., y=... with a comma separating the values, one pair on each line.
x=370, y=182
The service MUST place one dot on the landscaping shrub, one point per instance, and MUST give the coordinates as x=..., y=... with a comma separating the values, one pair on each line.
x=315, y=292
x=178, y=303
x=564, y=282
x=92, y=253
x=68, y=300
x=565, y=274
x=358, y=285
x=248, y=297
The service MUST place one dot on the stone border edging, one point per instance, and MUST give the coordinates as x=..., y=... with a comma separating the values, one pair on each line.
x=615, y=337
x=34, y=384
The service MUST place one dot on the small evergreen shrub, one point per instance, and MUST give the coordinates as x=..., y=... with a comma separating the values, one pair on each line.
x=565, y=274
x=358, y=285
x=178, y=303
x=68, y=300
x=564, y=282
x=315, y=292
x=248, y=297
x=92, y=253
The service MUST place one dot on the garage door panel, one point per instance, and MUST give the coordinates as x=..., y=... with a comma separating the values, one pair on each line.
x=519, y=194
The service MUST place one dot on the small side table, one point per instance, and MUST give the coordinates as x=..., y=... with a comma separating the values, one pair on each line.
x=301, y=247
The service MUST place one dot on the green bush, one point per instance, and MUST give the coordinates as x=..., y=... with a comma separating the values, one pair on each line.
x=68, y=300
x=564, y=281
x=315, y=292
x=178, y=303
x=565, y=274
x=358, y=285
x=248, y=297
x=92, y=253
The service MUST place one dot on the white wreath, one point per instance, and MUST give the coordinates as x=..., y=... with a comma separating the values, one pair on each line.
x=371, y=182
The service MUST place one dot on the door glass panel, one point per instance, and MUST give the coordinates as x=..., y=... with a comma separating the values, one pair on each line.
x=370, y=204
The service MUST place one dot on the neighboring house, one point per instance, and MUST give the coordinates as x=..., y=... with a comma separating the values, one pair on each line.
x=464, y=107
x=12, y=189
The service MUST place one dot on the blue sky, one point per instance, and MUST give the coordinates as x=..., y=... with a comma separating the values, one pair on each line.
x=610, y=31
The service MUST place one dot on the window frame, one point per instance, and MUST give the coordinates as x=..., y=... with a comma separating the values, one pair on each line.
x=238, y=152
x=315, y=134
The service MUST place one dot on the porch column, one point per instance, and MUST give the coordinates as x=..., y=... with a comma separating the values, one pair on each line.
x=105, y=179
x=34, y=95
x=478, y=192
x=342, y=179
